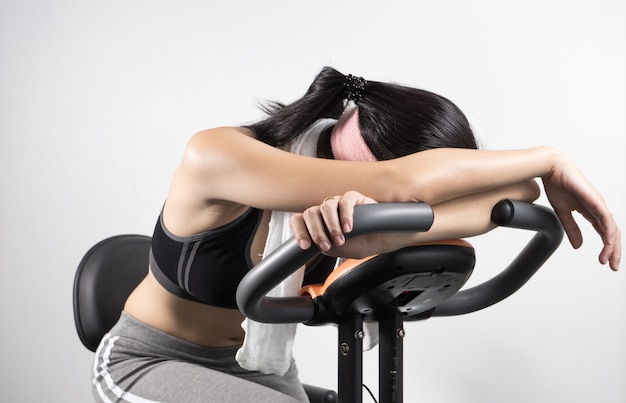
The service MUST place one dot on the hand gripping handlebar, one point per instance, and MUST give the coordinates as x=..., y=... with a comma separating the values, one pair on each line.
x=289, y=257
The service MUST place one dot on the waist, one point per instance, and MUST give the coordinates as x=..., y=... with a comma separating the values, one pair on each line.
x=194, y=322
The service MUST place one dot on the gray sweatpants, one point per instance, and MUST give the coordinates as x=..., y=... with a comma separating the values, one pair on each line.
x=138, y=363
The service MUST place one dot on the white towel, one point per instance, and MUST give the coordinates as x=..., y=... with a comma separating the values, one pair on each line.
x=268, y=347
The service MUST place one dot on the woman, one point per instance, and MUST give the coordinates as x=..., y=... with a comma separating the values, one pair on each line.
x=178, y=336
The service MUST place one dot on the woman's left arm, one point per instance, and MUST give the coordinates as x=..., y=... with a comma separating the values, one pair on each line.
x=463, y=217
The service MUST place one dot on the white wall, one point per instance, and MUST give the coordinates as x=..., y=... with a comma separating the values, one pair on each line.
x=97, y=100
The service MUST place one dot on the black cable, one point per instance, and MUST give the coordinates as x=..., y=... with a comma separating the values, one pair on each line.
x=370, y=392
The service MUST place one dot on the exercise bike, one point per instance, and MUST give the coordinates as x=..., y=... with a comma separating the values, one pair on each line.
x=411, y=284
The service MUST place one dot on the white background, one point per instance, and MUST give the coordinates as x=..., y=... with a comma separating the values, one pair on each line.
x=97, y=100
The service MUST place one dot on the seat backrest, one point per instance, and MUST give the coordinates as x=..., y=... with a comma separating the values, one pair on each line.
x=106, y=275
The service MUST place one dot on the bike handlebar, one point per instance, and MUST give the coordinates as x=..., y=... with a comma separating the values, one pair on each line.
x=252, y=292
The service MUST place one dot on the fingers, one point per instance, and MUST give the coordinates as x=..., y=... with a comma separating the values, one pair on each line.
x=347, y=202
x=330, y=219
x=616, y=256
x=318, y=225
x=571, y=229
x=300, y=232
x=308, y=227
x=612, y=251
x=605, y=226
x=326, y=223
x=603, y=222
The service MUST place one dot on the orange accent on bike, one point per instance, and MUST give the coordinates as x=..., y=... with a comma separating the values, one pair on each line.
x=316, y=290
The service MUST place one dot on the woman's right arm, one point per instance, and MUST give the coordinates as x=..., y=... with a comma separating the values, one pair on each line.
x=226, y=164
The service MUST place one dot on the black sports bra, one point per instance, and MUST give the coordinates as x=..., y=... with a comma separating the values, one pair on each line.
x=207, y=267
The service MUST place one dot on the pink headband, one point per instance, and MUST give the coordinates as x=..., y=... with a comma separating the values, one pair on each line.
x=346, y=140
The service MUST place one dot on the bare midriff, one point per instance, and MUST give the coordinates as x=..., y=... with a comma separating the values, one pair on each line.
x=195, y=322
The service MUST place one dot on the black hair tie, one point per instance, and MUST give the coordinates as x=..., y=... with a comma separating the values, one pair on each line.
x=354, y=87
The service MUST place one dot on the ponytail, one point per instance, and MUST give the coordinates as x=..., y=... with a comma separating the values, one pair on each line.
x=394, y=120
x=323, y=99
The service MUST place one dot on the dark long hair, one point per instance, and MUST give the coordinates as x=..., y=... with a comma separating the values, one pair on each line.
x=395, y=120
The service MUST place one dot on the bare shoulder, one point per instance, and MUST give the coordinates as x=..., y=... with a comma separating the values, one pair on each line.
x=217, y=132
x=217, y=159
x=191, y=206
x=218, y=138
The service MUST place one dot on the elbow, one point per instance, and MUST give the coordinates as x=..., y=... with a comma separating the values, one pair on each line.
x=530, y=191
